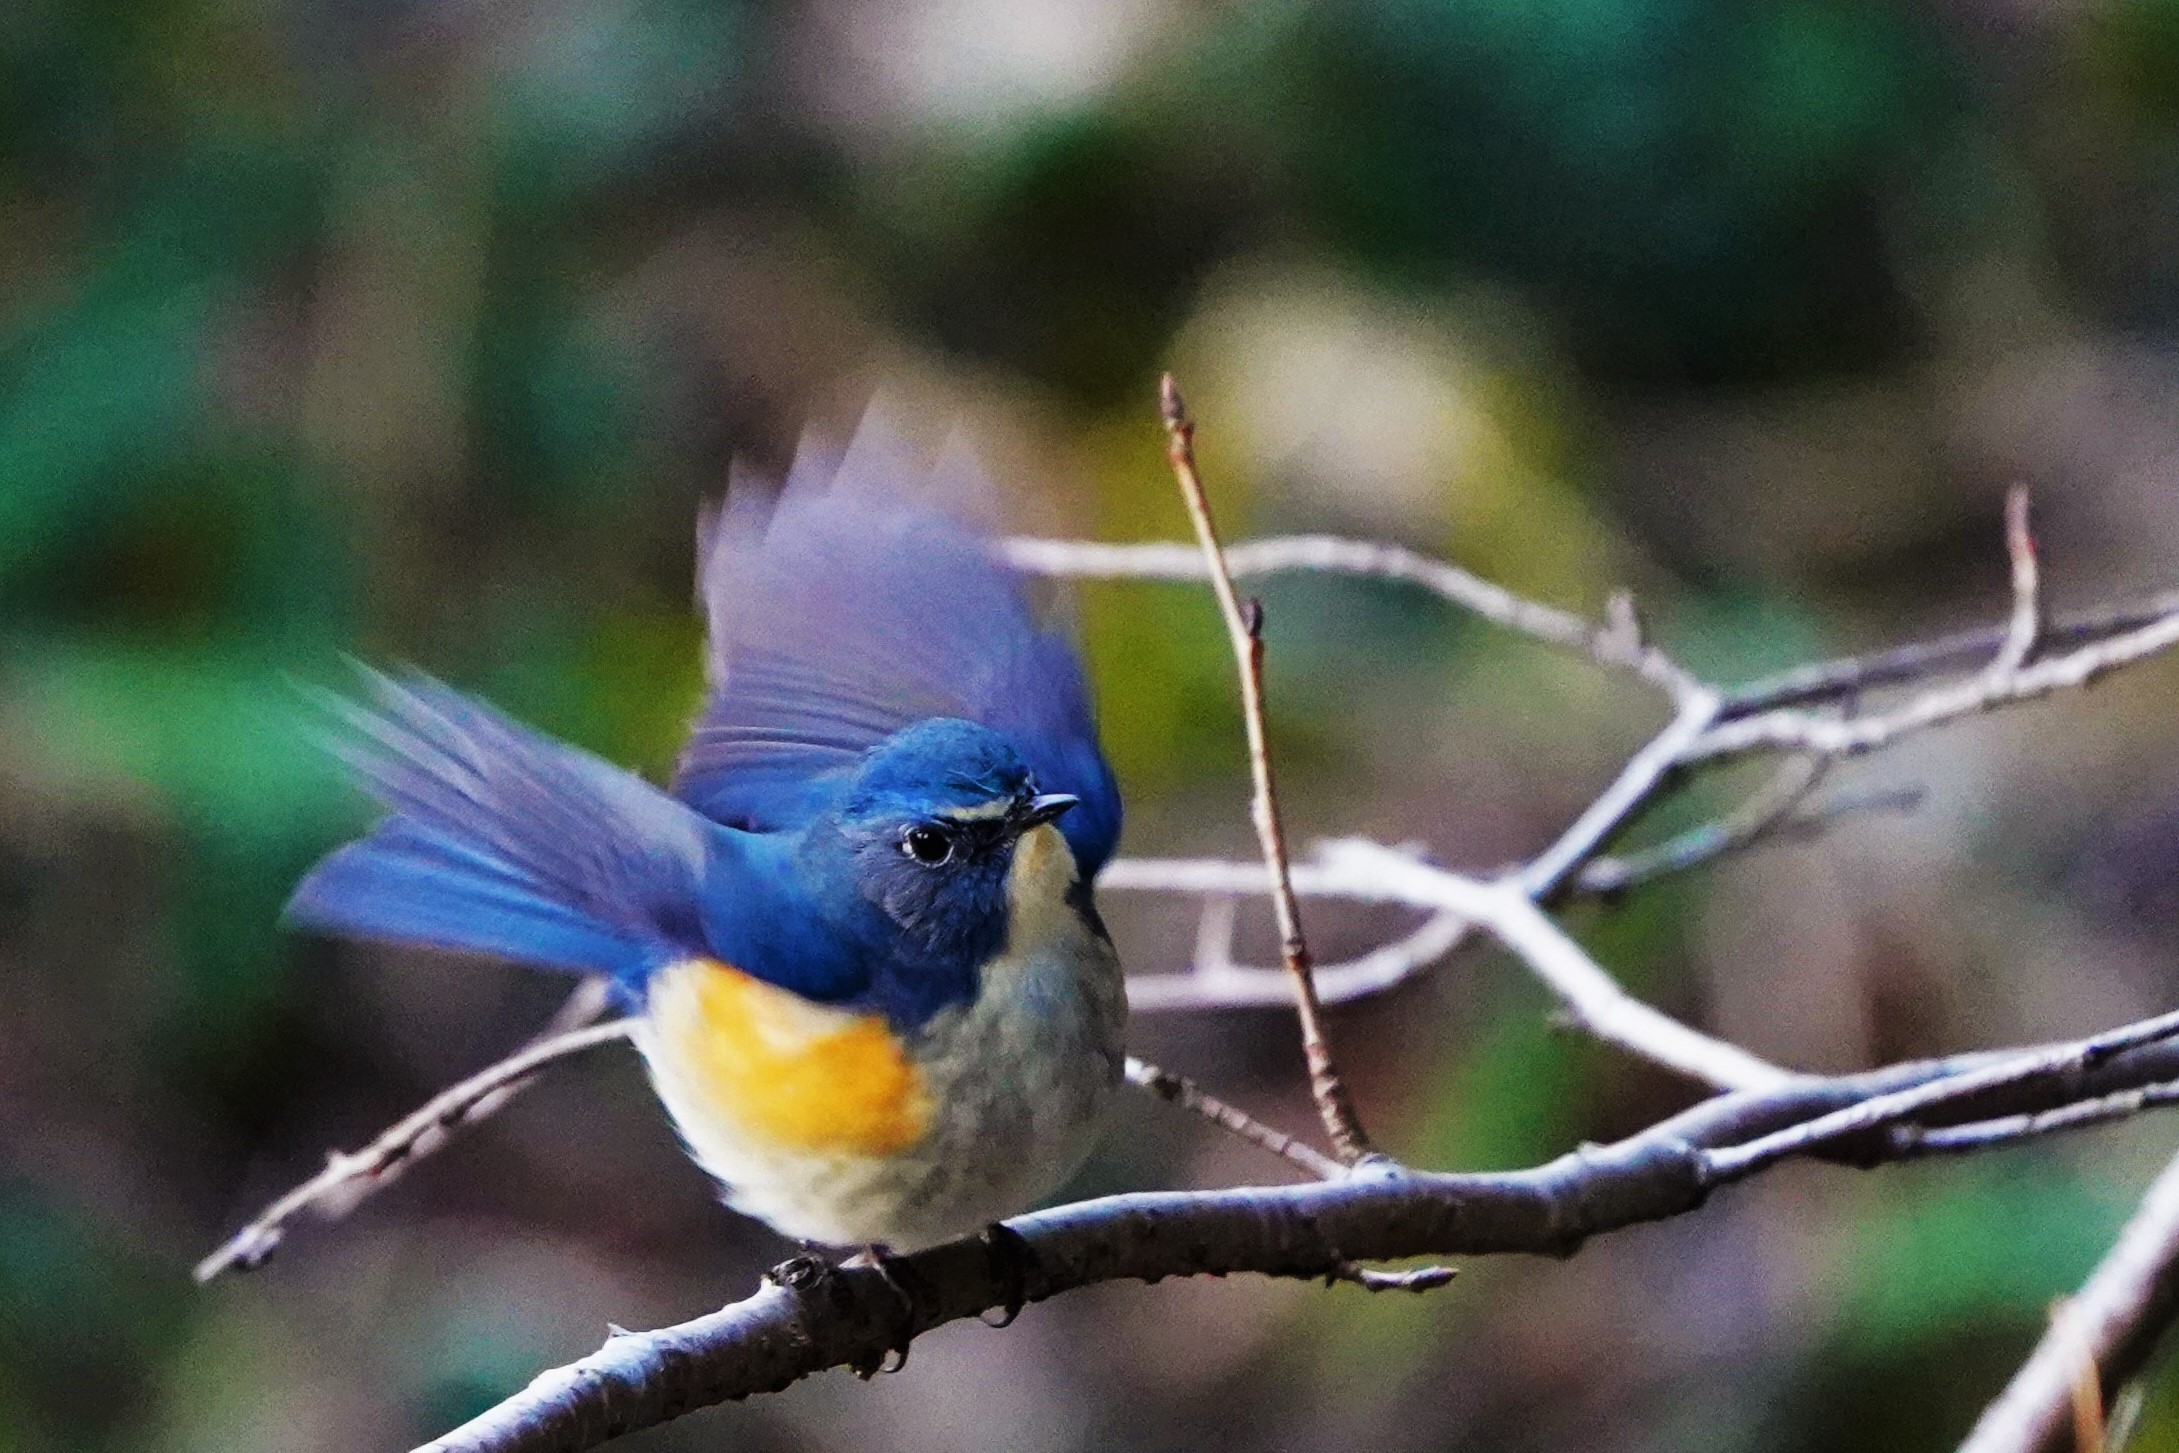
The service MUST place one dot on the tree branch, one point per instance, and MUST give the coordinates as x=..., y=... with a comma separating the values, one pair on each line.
x=1332, y=554
x=1882, y=1110
x=1181, y=1091
x=349, y=1176
x=1244, y=628
x=1764, y=813
x=1646, y=771
x=2005, y=1129
x=2113, y=1324
x=1797, y=730
x=814, y=1317
x=1241, y=986
x=1369, y=873
x=2025, y=630
x=1853, y=676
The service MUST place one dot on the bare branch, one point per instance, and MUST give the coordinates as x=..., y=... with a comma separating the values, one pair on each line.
x=850, y=1316
x=1852, y=676
x=1161, y=560
x=2025, y=629
x=1800, y=686
x=1740, y=1161
x=1592, y=997
x=1244, y=628
x=348, y=1176
x=1212, y=985
x=2005, y=1129
x=1796, y=730
x=1765, y=812
x=1184, y=1092
x=1369, y=873
x=1645, y=772
x=2113, y=1324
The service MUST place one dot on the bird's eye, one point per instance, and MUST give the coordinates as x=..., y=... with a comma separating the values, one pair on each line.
x=927, y=845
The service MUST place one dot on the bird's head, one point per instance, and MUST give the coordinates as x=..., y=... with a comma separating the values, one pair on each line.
x=930, y=826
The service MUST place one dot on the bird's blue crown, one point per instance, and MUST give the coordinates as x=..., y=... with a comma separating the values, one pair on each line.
x=937, y=767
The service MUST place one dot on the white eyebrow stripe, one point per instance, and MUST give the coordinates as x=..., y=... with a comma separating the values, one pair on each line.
x=982, y=812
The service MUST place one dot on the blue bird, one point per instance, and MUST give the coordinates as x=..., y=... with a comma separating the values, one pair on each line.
x=869, y=979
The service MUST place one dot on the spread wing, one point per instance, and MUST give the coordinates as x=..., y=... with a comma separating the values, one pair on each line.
x=860, y=603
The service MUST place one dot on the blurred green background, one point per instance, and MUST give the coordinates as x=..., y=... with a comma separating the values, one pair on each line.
x=419, y=330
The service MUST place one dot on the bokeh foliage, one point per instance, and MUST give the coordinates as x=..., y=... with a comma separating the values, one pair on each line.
x=419, y=331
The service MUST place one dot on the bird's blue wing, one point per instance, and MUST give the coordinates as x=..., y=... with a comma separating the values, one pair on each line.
x=503, y=841
x=860, y=603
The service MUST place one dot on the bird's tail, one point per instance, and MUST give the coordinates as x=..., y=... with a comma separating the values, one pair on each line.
x=502, y=841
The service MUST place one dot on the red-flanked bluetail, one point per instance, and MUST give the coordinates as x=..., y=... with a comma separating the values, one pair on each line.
x=871, y=985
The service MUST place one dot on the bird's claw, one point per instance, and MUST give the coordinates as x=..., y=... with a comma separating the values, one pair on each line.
x=1011, y=1259
x=900, y=1279
x=804, y=1272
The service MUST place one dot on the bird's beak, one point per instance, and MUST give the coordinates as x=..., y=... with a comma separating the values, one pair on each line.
x=1039, y=810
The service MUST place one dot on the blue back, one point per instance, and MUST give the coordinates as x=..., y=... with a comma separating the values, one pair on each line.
x=861, y=603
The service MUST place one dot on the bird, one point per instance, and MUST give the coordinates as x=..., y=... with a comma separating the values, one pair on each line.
x=856, y=933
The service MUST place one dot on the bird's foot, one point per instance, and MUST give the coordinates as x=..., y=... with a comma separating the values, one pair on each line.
x=1012, y=1259
x=805, y=1271
x=901, y=1280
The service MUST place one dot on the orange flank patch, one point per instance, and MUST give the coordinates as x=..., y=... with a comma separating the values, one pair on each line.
x=785, y=1071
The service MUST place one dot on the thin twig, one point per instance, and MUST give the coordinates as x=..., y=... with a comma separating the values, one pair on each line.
x=1244, y=627
x=1367, y=872
x=1795, y=730
x=2115, y=1320
x=1242, y=986
x=1180, y=1090
x=2026, y=626
x=1852, y=676
x=2006, y=1129
x=1844, y=678
x=1416, y=1279
x=1766, y=811
x=1332, y=554
x=1645, y=772
x=329, y=1191
x=1736, y=1162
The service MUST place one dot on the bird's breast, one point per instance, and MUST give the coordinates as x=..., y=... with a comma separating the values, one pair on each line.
x=832, y=1127
x=779, y=1069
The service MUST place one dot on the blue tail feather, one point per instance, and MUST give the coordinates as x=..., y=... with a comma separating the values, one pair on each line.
x=502, y=841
